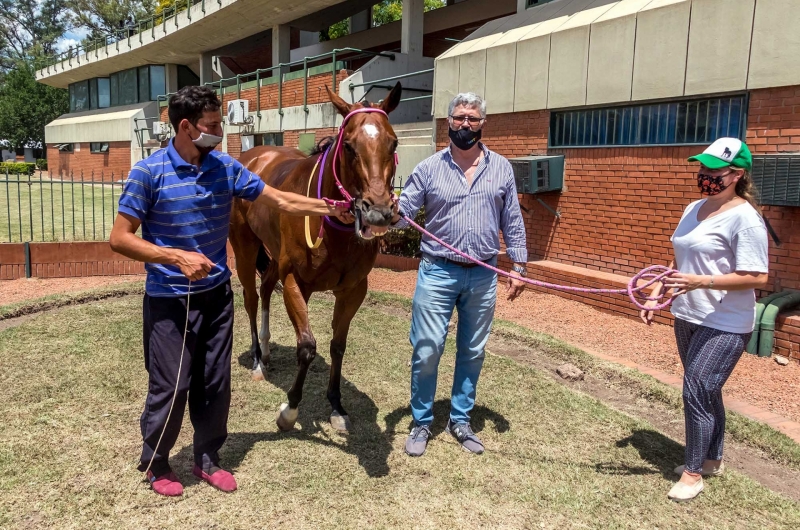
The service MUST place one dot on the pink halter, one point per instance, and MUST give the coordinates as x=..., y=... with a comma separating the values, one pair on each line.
x=339, y=144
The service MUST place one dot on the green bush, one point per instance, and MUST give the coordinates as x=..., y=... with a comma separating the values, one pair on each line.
x=17, y=168
x=41, y=163
x=405, y=242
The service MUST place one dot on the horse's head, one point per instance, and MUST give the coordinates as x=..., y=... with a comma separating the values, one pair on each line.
x=366, y=164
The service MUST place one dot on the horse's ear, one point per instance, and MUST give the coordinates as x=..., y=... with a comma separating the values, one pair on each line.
x=341, y=105
x=391, y=101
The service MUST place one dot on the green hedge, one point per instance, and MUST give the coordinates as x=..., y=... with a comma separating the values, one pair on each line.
x=41, y=163
x=17, y=168
x=405, y=242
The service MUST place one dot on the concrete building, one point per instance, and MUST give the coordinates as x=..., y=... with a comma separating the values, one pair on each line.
x=117, y=89
x=620, y=93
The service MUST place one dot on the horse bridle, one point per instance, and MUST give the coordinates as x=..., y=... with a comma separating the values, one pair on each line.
x=355, y=205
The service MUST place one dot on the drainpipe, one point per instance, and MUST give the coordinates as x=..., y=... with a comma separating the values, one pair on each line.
x=761, y=305
x=784, y=303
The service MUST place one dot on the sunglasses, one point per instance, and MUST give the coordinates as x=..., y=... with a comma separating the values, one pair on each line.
x=458, y=120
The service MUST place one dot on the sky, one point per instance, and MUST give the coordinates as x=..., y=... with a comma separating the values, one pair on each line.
x=71, y=38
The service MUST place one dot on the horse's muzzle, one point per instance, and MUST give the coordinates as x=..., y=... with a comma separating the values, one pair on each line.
x=371, y=220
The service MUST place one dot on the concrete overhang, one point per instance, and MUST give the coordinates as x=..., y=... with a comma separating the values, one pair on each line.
x=102, y=125
x=183, y=38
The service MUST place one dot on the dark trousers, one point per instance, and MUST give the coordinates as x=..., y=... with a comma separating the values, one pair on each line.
x=708, y=356
x=205, y=376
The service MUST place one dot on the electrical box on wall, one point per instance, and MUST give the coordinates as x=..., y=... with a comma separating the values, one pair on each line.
x=777, y=178
x=538, y=173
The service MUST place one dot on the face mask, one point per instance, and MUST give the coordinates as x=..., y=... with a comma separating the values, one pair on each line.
x=710, y=184
x=464, y=138
x=207, y=141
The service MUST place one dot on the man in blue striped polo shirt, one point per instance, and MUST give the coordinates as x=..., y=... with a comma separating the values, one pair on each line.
x=469, y=196
x=181, y=196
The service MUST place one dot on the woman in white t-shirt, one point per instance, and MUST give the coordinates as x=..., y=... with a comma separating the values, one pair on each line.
x=721, y=252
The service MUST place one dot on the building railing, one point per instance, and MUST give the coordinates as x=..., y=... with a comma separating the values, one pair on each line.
x=377, y=84
x=280, y=72
x=135, y=30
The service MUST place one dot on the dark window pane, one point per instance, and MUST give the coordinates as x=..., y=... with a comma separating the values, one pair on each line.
x=712, y=127
x=114, y=89
x=158, y=81
x=79, y=96
x=72, y=98
x=736, y=118
x=93, y=93
x=103, y=93
x=144, y=83
x=128, y=87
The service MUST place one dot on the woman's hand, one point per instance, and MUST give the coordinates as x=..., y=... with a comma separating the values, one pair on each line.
x=683, y=283
x=647, y=314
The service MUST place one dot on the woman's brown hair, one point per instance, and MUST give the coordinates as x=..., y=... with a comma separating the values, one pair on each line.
x=747, y=190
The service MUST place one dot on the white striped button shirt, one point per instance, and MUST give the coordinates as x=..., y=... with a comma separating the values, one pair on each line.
x=467, y=217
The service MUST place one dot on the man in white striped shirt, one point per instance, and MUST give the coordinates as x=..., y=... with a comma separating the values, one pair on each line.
x=469, y=196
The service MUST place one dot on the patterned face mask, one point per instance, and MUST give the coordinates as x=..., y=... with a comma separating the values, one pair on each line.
x=710, y=184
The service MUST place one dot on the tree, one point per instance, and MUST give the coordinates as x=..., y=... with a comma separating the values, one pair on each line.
x=101, y=17
x=382, y=13
x=26, y=106
x=29, y=30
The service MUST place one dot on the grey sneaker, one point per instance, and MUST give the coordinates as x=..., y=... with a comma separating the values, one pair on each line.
x=417, y=440
x=463, y=433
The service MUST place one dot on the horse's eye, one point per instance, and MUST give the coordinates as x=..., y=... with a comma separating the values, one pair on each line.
x=393, y=146
x=350, y=149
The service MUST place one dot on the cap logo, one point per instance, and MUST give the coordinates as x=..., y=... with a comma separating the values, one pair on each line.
x=727, y=153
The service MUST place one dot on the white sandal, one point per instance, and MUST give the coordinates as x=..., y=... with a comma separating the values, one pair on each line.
x=682, y=492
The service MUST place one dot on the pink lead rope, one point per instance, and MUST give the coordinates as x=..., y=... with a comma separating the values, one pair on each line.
x=651, y=275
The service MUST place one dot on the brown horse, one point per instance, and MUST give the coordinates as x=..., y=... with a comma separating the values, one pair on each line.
x=341, y=263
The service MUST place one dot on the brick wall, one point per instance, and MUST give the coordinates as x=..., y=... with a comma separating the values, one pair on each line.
x=76, y=259
x=292, y=93
x=234, y=145
x=116, y=161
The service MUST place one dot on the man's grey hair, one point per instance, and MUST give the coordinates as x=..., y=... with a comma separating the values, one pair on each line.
x=468, y=99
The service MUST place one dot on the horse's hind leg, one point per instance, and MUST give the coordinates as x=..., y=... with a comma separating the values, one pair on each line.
x=268, y=280
x=296, y=300
x=246, y=247
x=347, y=304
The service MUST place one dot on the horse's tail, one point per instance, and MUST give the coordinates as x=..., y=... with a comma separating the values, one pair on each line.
x=262, y=260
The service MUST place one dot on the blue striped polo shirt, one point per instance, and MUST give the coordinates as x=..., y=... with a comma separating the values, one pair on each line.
x=181, y=206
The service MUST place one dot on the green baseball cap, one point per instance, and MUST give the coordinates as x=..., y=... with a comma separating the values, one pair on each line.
x=725, y=152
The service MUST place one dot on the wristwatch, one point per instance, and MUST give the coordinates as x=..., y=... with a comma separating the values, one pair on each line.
x=519, y=269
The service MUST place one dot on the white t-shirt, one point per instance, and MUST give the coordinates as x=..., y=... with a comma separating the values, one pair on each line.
x=732, y=241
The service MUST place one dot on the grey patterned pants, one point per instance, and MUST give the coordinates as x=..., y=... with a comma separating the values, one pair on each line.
x=708, y=356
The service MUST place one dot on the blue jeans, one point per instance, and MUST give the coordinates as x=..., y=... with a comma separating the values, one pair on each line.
x=441, y=287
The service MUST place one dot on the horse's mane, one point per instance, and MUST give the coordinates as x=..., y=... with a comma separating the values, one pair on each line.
x=322, y=145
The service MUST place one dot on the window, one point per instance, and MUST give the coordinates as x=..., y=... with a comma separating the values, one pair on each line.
x=699, y=121
x=534, y=3
x=144, y=84
x=79, y=96
x=158, y=81
x=268, y=139
x=64, y=148
x=113, y=82
x=93, y=93
x=98, y=147
x=103, y=93
x=128, y=87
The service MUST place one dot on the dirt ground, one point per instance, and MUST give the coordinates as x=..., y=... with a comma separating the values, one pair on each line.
x=758, y=381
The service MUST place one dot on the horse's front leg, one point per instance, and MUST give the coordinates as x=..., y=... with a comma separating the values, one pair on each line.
x=347, y=304
x=295, y=297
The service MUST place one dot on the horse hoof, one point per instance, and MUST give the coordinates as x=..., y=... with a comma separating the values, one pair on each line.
x=257, y=374
x=287, y=417
x=341, y=423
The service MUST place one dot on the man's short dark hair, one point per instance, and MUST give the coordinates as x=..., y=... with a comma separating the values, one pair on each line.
x=190, y=102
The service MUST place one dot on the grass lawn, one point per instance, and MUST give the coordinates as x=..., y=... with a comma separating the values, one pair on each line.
x=73, y=385
x=52, y=210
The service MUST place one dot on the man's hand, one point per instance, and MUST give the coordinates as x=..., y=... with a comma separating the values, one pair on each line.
x=342, y=214
x=193, y=265
x=514, y=287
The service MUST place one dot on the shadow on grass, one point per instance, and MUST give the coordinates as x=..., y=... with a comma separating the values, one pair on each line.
x=441, y=412
x=661, y=452
x=366, y=441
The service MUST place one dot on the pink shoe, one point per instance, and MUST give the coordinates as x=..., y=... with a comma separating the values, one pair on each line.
x=168, y=484
x=220, y=479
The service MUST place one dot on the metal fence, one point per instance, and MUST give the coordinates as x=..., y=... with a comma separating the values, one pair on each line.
x=42, y=206
x=78, y=206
